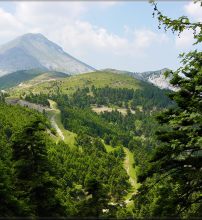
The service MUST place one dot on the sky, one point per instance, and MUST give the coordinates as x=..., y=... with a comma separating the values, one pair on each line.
x=104, y=34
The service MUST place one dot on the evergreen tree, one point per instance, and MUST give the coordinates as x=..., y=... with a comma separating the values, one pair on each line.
x=174, y=178
x=9, y=205
x=34, y=183
x=97, y=200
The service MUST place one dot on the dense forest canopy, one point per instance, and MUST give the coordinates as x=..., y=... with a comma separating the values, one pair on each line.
x=42, y=178
x=96, y=160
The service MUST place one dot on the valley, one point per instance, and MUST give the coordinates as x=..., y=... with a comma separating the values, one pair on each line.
x=69, y=138
x=108, y=110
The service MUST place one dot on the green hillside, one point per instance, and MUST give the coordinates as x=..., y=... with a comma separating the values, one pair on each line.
x=20, y=77
x=71, y=84
x=110, y=147
x=13, y=79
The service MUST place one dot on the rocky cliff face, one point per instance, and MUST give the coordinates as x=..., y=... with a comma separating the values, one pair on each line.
x=155, y=77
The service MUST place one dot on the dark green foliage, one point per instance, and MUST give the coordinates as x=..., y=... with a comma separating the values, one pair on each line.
x=171, y=184
x=83, y=121
x=78, y=166
x=33, y=181
x=27, y=183
x=10, y=206
x=149, y=97
x=107, y=95
x=38, y=99
x=119, y=152
x=97, y=200
x=40, y=178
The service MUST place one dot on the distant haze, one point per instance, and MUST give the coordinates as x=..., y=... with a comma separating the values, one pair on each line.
x=36, y=51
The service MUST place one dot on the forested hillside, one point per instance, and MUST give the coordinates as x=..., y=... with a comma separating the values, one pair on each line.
x=69, y=85
x=89, y=176
x=42, y=178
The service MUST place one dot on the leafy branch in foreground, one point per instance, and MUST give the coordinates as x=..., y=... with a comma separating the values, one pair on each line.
x=178, y=25
x=171, y=186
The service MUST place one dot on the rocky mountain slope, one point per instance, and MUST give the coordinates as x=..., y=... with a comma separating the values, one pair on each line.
x=32, y=51
x=155, y=77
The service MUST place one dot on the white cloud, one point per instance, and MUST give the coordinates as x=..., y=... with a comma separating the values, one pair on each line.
x=194, y=10
x=9, y=26
x=185, y=40
x=145, y=38
x=41, y=13
x=98, y=40
x=61, y=22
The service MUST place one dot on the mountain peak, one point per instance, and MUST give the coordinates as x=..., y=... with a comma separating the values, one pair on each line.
x=33, y=50
x=33, y=36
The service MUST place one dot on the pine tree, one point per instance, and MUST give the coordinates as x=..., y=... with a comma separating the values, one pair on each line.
x=34, y=182
x=172, y=184
x=96, y=201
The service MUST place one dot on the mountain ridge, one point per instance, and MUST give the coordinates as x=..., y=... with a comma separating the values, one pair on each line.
x=156, y=77
x=31, y=51
x=22, y=76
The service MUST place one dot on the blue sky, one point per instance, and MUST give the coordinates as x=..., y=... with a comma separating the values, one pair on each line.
x=110, y=34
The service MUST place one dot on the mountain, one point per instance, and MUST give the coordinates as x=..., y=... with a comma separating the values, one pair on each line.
x=117, y=71
x=21, y=76
x=34, y=51
x=155, y=77
x=104, y=81
x=70, y=84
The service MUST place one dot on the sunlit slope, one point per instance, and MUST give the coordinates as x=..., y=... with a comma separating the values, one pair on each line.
x=25, y=77
x=69, y=85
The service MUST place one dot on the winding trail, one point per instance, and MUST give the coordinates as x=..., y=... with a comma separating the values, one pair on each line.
x=55, y=118
x=128, y=165
x=54, y=125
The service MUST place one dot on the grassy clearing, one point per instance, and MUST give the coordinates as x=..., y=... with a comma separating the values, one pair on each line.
x=131, y=171
x=101, y=109
x=70, y=84
x=99, y=79
x=108, y=148
x=128, y=164
x=69, y=137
